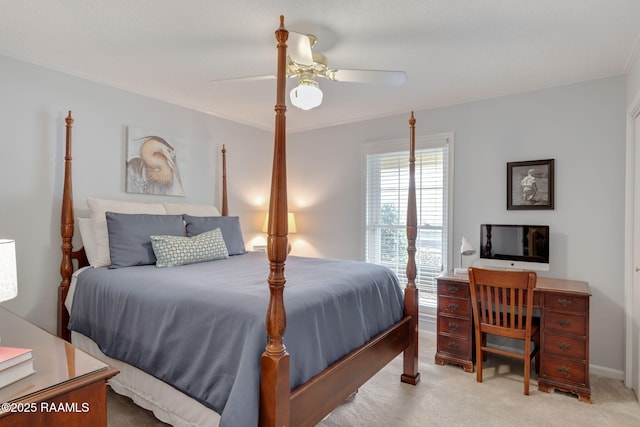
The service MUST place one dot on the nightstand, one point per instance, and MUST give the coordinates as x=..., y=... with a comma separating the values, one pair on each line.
x=68, y=388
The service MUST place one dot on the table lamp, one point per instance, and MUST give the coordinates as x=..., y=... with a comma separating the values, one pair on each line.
x=8, y=270
x=291, y=226
x=465, y=249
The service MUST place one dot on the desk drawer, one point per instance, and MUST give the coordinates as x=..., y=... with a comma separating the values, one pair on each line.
x=559, y=345
x=454, y=306
x=566, y=370
x=453, y=289
x=454, y=326
x=565, y=323
x=575, y=304
x=457, y=346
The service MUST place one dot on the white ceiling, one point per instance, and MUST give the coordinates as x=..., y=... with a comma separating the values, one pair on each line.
x=452, y=51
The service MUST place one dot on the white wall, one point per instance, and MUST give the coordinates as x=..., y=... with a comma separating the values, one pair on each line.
x=632, y=378
x=582, y=126
x=33, y=105
x=633, y=77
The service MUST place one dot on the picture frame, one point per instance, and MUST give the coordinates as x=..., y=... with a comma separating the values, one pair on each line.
x=153, y=165
x=530, y=185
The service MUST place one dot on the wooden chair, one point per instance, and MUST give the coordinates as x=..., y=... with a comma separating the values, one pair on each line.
x=503, y=303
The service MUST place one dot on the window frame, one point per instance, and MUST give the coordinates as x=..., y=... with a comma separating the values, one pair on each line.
x=402, y=145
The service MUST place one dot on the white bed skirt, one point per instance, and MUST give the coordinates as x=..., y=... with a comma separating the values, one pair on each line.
x=167, y=404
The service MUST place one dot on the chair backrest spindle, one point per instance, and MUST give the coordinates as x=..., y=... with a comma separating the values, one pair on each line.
x=503, y=302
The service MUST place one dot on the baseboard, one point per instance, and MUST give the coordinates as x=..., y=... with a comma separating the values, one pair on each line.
x=603, y=371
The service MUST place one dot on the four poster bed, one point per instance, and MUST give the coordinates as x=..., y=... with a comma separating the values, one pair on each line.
x=339, y=329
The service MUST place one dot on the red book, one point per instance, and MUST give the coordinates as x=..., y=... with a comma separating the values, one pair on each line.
x=10, y=356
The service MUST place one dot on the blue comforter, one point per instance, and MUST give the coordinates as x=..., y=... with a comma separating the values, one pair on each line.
x=201, y=327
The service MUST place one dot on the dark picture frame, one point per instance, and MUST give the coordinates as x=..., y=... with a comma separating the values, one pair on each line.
x=530, y=184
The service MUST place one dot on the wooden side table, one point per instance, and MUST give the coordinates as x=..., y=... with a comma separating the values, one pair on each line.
x=68, y=388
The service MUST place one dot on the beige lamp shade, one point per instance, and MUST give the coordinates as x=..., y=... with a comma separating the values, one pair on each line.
x=8, y=270
x=291, y=219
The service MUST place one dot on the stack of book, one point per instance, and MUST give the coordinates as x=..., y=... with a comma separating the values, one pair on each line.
x=15, y=364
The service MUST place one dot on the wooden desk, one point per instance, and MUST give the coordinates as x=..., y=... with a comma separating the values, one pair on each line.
x=68, y=388
x=564, y=322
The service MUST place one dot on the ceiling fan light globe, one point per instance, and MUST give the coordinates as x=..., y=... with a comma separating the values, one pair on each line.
x=306, y=96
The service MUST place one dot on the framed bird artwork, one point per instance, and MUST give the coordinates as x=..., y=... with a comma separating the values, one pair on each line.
x=152, y=163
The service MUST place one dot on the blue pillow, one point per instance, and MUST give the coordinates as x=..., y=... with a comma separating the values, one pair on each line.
x=229, y=225
x=130, y=236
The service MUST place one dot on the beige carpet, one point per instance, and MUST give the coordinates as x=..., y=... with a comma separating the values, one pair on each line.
x=447, y=396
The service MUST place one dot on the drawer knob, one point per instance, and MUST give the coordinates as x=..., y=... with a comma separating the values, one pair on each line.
x=564, y=370
x=453, y=289
x=564, y=302
x=453, y=344
x=564, y=346
x=453, y=326
x=564, y=323
x=453, y=306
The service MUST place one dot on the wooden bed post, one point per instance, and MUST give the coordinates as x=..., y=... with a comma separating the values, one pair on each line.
x=275, y=388
x=410, y=373
x=225, y=204
x=66, y=231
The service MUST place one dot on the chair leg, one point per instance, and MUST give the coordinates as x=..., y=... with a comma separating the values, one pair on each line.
x=527, y=367
x=484, y=343
x=537, y=344
x=527, y=375
x=479, y=356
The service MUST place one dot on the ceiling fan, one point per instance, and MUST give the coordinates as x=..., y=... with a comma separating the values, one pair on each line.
x=307, y=65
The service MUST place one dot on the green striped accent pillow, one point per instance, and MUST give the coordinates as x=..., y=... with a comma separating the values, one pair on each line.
x=171, y=251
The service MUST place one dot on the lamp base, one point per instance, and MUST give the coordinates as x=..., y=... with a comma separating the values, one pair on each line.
x=460, y=271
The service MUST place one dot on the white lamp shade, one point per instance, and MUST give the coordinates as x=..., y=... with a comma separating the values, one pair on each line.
x=466, y=248
x=8, y=270
x=306, y=95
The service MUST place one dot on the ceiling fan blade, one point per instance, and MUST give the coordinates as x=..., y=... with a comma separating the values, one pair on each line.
x=245, y=79
x=299, y=48
x=368, y=76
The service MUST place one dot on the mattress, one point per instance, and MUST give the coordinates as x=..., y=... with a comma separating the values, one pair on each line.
x=167, y=404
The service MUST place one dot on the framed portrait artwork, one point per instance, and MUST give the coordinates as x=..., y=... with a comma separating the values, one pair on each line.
x=530, y=185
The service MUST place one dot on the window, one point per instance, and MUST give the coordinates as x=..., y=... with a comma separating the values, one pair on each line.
x=387, y=186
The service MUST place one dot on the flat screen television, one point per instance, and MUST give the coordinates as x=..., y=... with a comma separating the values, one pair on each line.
x=521, y=247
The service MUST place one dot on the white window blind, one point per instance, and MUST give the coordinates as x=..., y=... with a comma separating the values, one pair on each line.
x=387, y=187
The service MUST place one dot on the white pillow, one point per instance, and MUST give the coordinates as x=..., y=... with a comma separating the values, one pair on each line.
x=193, y=210
x=88, y=239
x=98, y=208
